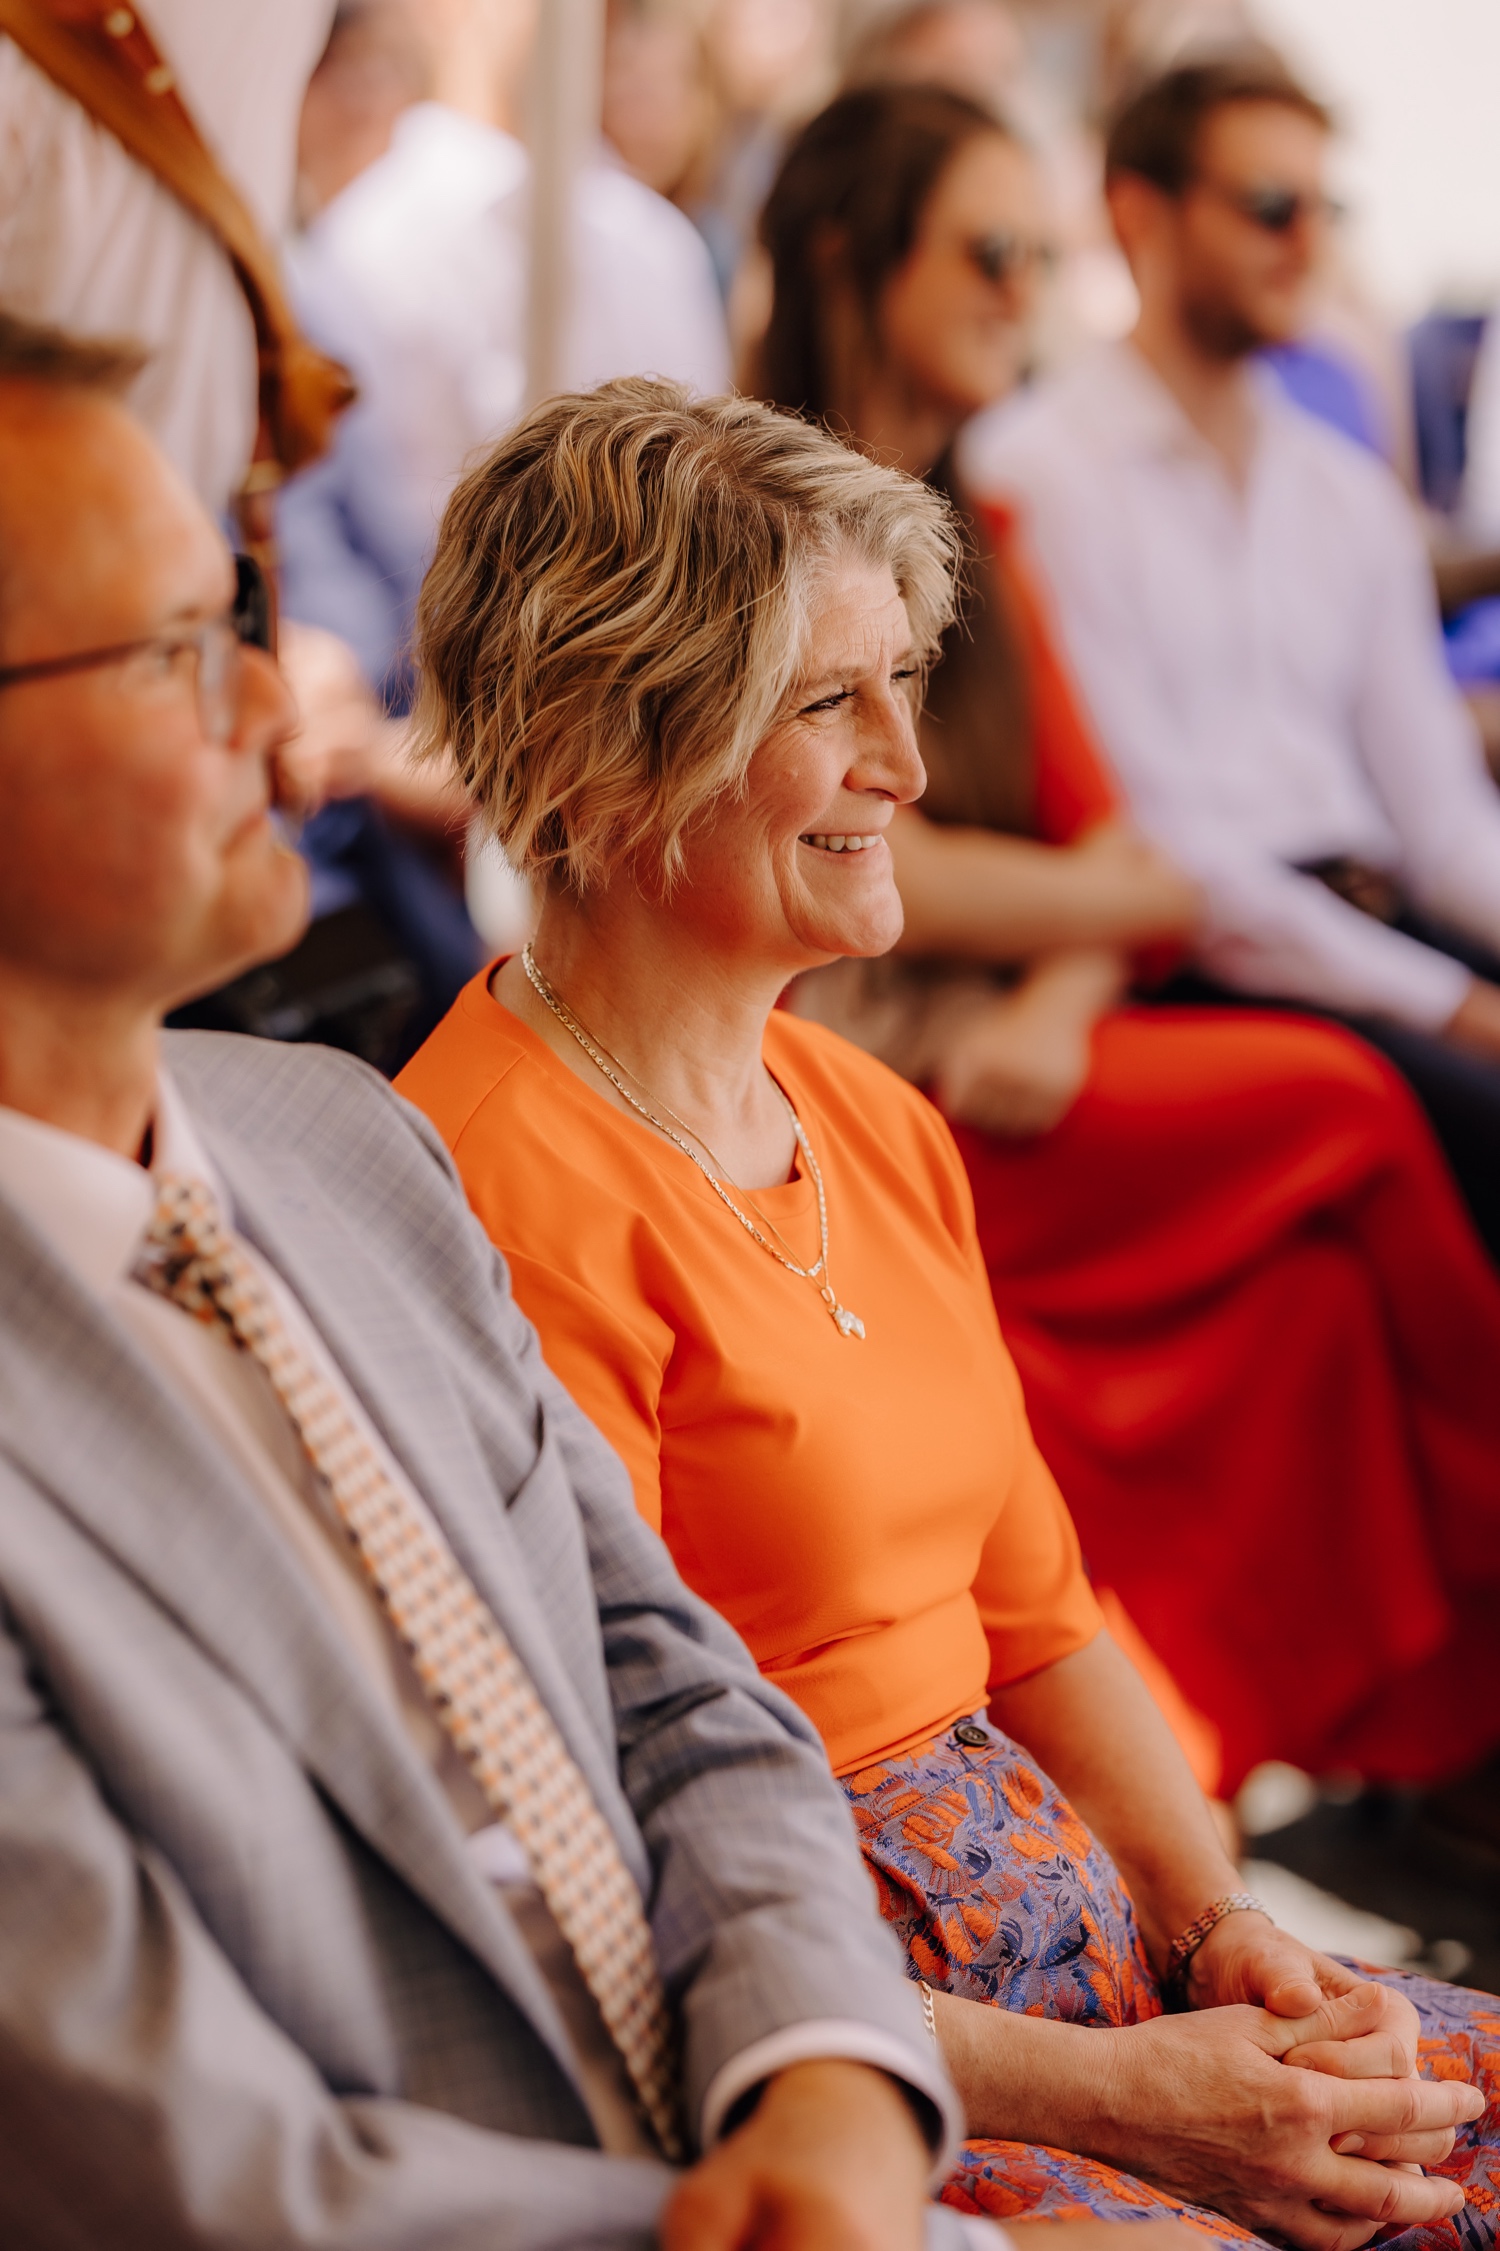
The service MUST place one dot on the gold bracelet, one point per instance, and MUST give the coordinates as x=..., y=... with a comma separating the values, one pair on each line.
x=928, y=2011
x=1182, y=1949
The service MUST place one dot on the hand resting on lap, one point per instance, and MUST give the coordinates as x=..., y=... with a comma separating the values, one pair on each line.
x=831, y=2159
x=1245, y=1958
x=1203, y=2106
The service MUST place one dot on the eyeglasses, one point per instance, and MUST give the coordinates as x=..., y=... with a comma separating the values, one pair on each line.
x=1000, y=257
x=212, y=649
x=1275, y=210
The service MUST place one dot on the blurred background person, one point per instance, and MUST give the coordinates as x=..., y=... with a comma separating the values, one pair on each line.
x=976, y=47
x=1346, y=361
x=1223, y=1248
x=1249, y=606
x=770, y=65
x=414, y=270
x=661, y=114
x=980, y=49
x=412, y=267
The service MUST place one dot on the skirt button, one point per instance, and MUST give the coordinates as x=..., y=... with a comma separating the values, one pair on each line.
x=972, y=1737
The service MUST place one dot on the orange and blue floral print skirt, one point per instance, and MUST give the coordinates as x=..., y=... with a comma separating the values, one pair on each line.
x=999, y=1893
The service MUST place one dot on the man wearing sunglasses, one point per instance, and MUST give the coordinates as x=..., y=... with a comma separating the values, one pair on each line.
x=392, y=1850
x=1247, y=600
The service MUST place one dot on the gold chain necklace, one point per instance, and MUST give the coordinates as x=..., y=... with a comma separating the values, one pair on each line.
x=848, y=1324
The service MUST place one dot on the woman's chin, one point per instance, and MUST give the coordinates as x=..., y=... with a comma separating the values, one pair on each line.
x=854, y=938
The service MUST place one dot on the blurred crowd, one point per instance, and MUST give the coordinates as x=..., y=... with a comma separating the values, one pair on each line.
x=408, y=259
x=391, y=161
x=863, y=584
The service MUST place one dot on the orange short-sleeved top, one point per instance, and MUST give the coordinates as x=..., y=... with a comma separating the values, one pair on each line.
x=873, y=1517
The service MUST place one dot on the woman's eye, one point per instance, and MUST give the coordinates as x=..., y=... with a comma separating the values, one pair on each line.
x=827, y=703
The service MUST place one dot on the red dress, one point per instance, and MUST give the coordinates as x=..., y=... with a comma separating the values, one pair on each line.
x=1260, y=1345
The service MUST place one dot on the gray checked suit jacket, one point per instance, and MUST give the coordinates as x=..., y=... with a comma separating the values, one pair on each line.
x=252, y=1991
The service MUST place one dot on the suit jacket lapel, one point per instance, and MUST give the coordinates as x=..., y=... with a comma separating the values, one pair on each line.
x=179, y=1519
x=404, y=1386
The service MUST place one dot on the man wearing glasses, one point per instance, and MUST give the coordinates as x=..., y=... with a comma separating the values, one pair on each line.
x=392, y=1850
x=1247, y=601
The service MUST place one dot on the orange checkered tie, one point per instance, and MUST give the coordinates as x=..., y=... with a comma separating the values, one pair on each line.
x=479, y=1688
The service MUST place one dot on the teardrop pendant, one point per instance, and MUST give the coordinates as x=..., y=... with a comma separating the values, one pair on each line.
x=848, y=1324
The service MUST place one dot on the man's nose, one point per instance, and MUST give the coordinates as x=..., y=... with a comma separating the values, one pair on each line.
x=268, y=712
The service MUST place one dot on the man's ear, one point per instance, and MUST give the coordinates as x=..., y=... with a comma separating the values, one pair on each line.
x=1138, y=211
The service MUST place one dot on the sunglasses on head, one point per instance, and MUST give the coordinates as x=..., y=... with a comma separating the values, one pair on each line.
x=1275, y=210
x=999, y=257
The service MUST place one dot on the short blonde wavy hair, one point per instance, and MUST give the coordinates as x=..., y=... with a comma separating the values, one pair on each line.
x=617, y=612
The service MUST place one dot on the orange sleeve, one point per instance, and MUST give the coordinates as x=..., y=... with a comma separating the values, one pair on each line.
x=610, y=1352
x=607, y=1366
x=1035, y=1602
x=1033, y=1595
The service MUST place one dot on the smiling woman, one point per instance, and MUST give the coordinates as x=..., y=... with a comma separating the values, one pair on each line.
x=676, y=647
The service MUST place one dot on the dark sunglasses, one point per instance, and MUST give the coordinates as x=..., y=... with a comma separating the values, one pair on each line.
x=214, y=647
x=1273, y=209
x=999, y=257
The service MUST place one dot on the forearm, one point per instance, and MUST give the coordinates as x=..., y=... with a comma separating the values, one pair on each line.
x=1075, y=985
x=972, y=895
x=1022, y=2078
x=1017, y=1062
x=1092, y=1724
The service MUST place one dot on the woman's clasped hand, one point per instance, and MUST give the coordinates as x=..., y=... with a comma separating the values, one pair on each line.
x=1204, y=2105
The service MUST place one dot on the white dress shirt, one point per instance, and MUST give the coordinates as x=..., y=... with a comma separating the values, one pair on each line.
x=428, y=247
x=90, y=241
x=1265, y=671
x=415, y=275
x=93, y=1206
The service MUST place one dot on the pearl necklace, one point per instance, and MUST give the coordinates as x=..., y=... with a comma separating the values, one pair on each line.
x=848, y=1324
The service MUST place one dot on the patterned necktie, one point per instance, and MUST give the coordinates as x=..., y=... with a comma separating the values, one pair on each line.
x=479, y=1688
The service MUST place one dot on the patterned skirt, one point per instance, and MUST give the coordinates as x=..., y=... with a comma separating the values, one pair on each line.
x=1000, y=1894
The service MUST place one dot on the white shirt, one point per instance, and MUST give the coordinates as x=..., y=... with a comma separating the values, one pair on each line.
x=416, y=275
x=93, y=1206
x=1265, y=672
x=91, y=242
x=431, y=243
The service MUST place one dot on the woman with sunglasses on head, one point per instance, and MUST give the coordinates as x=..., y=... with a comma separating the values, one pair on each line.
x=675, y=648
x=1254, y=1326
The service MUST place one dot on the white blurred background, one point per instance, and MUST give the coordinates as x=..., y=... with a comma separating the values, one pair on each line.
x=1415, y=84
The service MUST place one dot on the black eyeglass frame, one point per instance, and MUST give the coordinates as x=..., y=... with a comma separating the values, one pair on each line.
x=250, y=615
